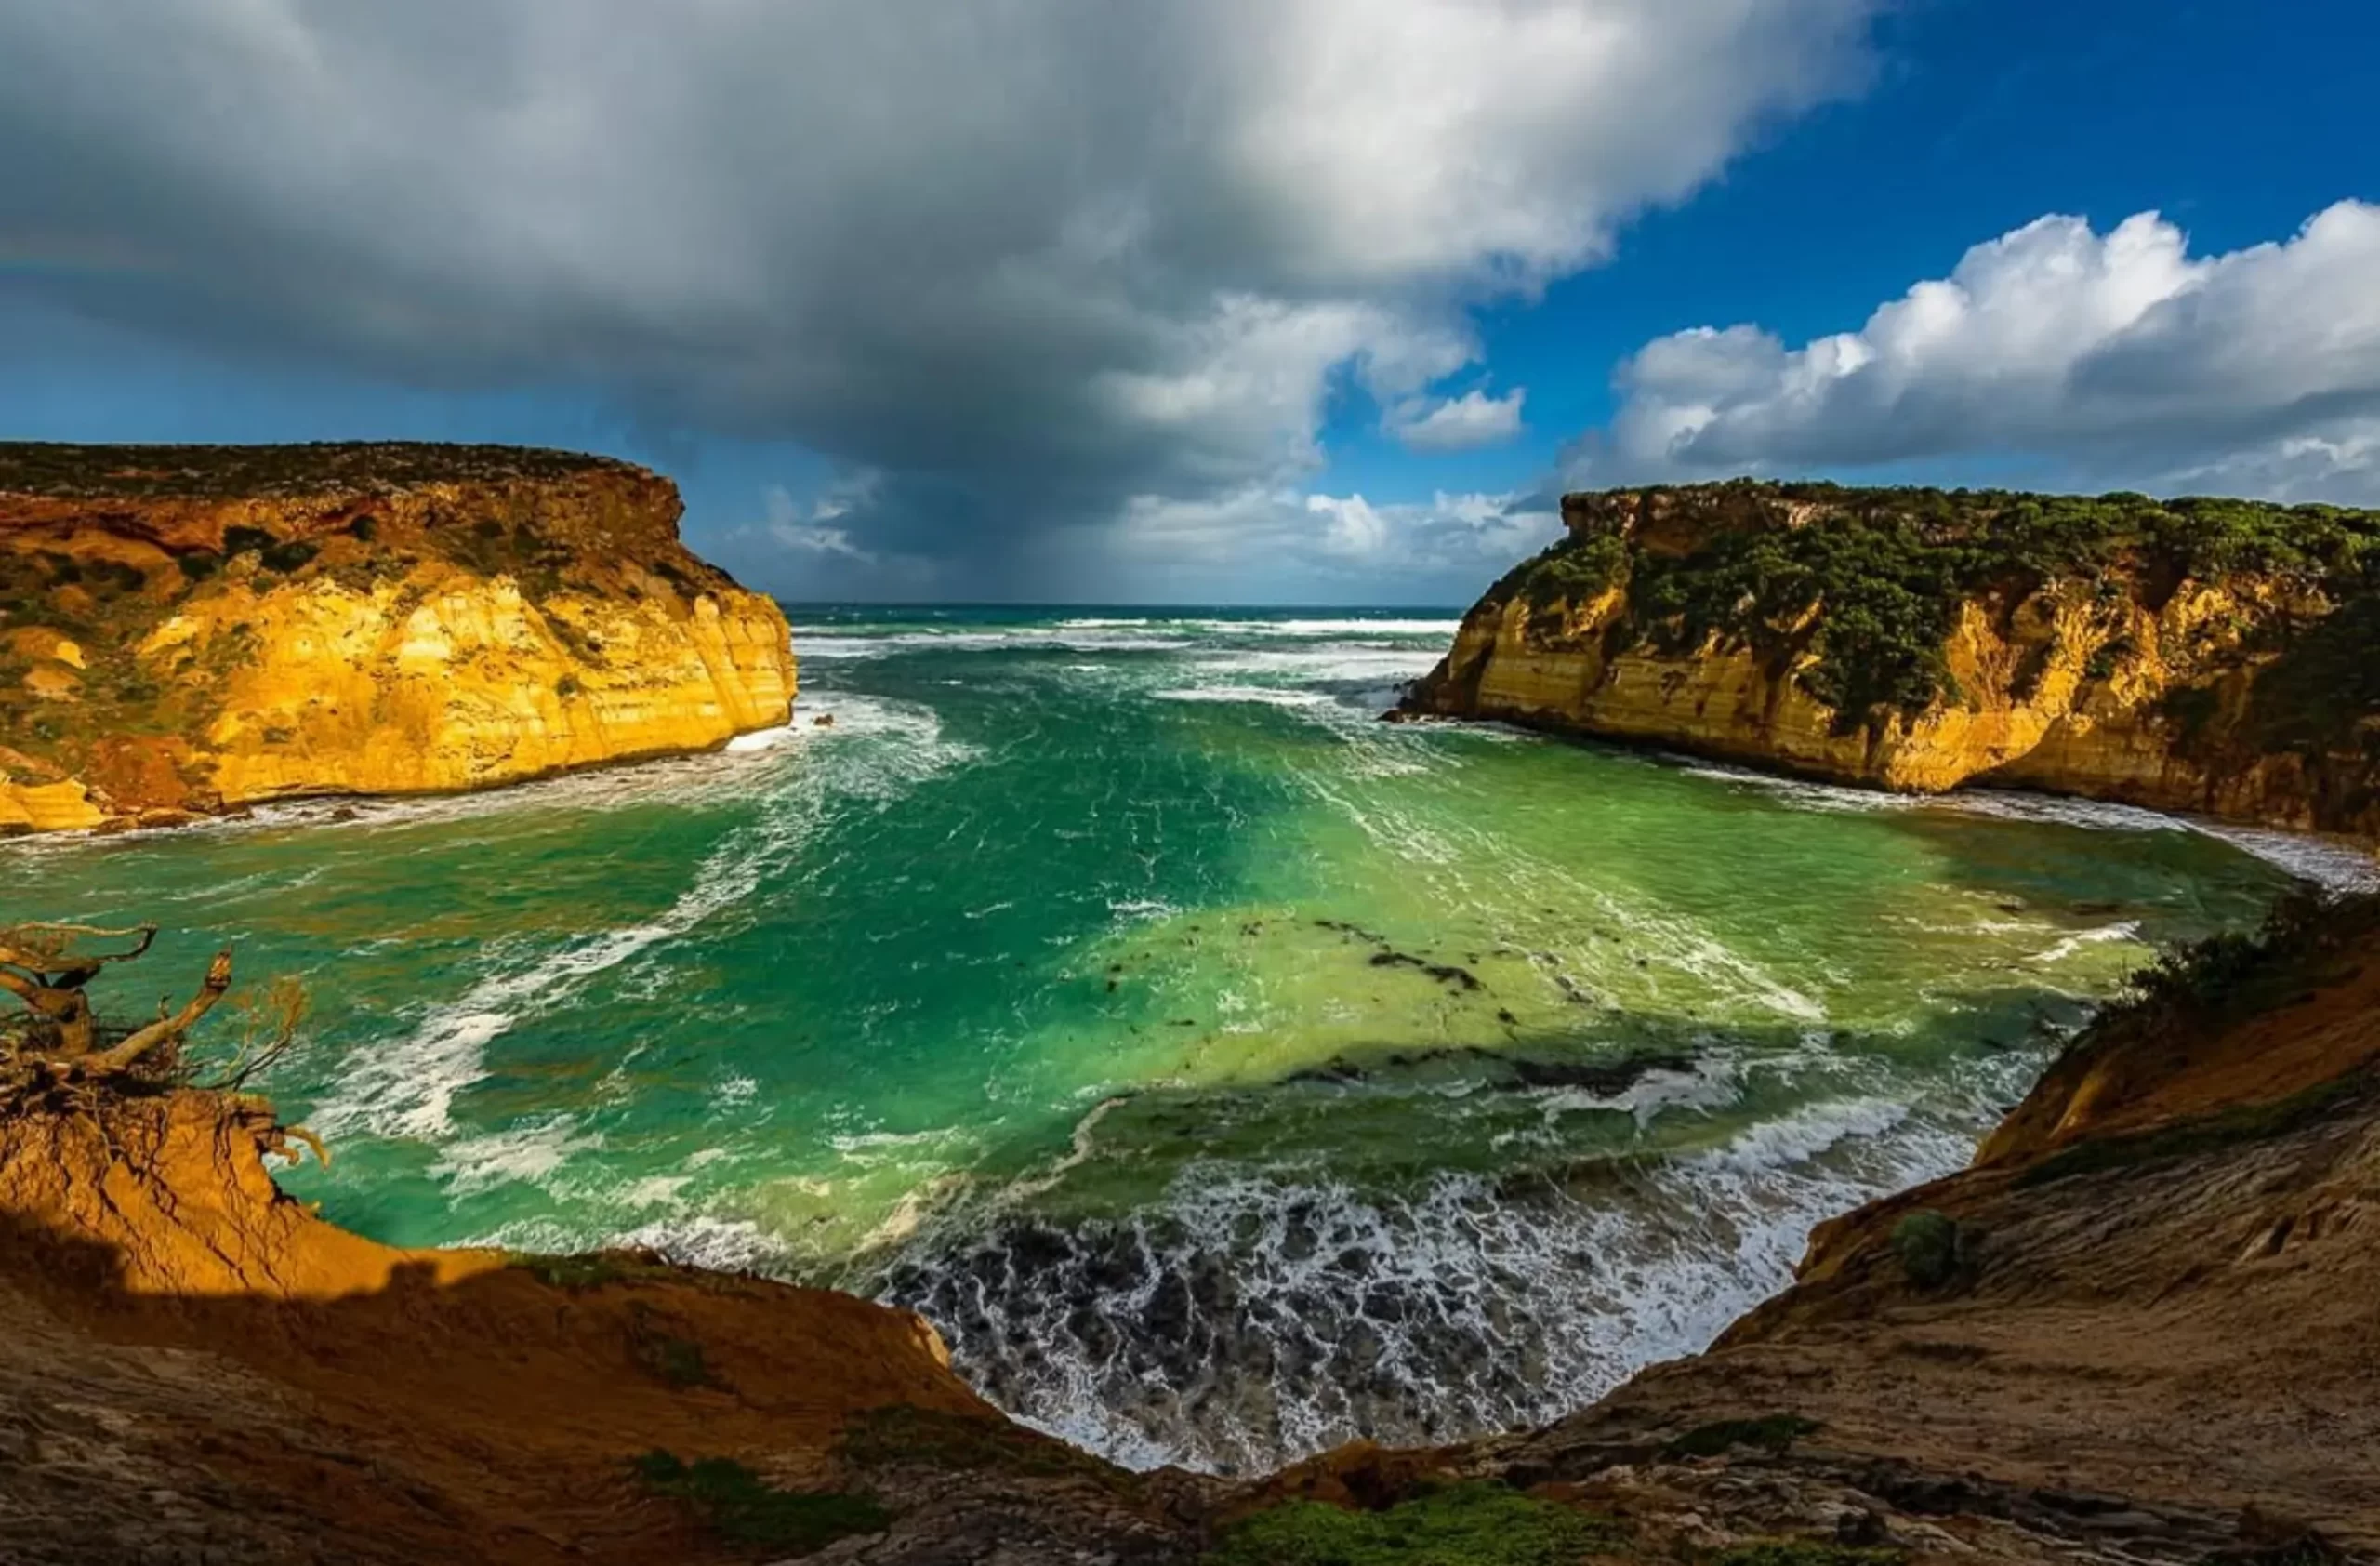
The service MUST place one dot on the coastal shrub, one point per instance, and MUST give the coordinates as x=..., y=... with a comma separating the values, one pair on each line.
x=740, y=1506
x=290, y=556
x=240, y=540
x=1775, y=1432
x=590, y=1269
x=2232, y=973
x=1470, y=1524
x=676, y=1360
x=198, y=567
x=1930, y=1247
x=2109, y=657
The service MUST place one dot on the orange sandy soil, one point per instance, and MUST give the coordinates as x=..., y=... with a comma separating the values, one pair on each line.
x=192, y=1366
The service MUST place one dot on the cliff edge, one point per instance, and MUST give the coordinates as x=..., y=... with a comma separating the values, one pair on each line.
x=2138, y=1329
x=187, y=630
x=2210, y=655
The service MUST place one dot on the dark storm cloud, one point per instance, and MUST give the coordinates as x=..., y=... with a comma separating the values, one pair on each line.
x=1047, y=258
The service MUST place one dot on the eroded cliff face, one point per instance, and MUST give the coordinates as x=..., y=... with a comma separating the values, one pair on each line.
x=2218, y=661
x=2140, y=1327
x=195, y=1367
x=185, y=630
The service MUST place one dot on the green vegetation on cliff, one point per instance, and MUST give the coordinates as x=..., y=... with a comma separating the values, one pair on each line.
x=1869, y=584
x=68, y=471
x=1474, y=1524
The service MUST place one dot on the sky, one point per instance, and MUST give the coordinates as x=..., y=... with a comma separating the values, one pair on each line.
x=1263, y=302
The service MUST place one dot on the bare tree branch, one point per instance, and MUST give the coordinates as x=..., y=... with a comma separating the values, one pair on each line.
x=171, y=1029
x=43, y=947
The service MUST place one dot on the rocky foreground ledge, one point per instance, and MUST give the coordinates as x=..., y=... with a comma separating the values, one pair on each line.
x=2220, y=657
x=2141, y=1328
x=188, y=629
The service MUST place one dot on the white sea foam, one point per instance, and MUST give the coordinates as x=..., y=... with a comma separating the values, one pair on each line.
x=1328, y=663
x=408, y=1089
x=1266, y=695
x=532, y=1153
x=835, y=646
x=1800, y=793
x=2126, y=931
x=1443, y=630
x=1248, y=1319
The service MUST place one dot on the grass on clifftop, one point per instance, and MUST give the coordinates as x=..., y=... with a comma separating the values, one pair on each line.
x=740, y=1506
x=61, y=470
x=1472, y=1524
x=1890, y=569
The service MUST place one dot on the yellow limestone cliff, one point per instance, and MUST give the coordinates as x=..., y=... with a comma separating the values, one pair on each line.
x=188, y=629
x=2218, y=657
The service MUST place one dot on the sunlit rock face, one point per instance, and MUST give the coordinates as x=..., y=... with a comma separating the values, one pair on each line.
x=188, y=629
x=2209, y=656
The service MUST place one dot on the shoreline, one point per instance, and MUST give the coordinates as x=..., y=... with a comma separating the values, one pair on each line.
x=1783, y=777
x=262, y=813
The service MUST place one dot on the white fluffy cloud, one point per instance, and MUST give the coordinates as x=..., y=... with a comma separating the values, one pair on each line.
x=1460, y=423
x=2117, y=357
x=1318, y=548
x=1031, y=261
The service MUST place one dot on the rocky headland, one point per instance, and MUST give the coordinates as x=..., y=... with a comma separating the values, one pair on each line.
x=189, y=630
x=2140, y=1328
x=2218, y=657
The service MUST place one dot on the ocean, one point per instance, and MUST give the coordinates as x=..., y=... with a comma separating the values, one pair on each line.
x=1224, y=1072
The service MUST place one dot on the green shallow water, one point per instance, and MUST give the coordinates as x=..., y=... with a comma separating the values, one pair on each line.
x=1227, y=1073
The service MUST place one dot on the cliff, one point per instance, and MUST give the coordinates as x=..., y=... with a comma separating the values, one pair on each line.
x=2210, y=655
x=187, y=630
x=194, y=1368
x=2138, y=1329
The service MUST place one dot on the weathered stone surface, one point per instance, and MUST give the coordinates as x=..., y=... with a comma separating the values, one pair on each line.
x=2065, y=683
x=268, y=623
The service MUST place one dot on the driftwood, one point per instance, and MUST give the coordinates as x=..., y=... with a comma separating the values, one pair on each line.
x=47, y=968
x=40, y=966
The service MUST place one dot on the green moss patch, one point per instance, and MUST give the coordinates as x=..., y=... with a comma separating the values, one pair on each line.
x=1472, y=1524
x=739, y=1505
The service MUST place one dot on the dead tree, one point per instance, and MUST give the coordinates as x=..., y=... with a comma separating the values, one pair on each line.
x=41, y=966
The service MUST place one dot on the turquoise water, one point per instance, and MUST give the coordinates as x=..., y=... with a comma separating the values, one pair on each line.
x=1225, y=1072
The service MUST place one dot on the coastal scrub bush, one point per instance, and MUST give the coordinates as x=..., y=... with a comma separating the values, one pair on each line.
x=1773, y=1432
x=740, y=1506
x=1468, y=1524
x=1931, y=1248
x=290, y=556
